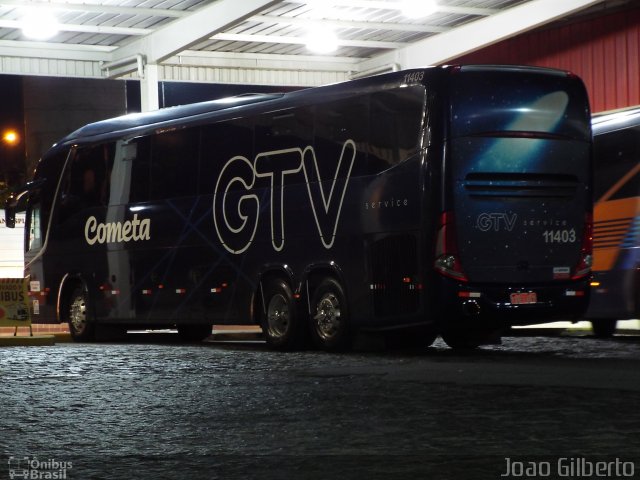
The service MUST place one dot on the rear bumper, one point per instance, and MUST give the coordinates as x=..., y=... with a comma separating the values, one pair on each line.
x=490, y=305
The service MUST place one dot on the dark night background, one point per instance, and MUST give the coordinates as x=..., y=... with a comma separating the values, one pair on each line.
x=14, y=168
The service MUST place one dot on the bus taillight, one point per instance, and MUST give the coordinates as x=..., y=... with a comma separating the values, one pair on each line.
x=586, y=251
x=447, y=259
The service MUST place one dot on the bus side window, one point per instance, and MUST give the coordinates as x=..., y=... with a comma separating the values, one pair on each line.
x=335, y=124
x=174, y=163
x=87, y=180
x=40, y=202
x=220, y=143
x=616, y=154
x=396, y=120
x=140, y=158
x=284, y=130
x=34, y=224
x=281, y=132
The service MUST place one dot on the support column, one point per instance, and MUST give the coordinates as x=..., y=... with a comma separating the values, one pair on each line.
x=149, y=88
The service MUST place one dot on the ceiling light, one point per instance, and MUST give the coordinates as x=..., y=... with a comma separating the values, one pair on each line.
x=321, y=40
x=39, y=24
x=418, y=8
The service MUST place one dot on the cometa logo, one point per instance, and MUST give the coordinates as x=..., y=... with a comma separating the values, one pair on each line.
x=116, y=232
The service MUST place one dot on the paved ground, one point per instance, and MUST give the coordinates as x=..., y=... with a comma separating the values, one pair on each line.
x=155, y=408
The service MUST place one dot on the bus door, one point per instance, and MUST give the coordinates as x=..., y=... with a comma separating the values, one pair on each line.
x=163, y=209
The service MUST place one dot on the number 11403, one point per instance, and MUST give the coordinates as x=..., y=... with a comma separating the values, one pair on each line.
x=559, y=236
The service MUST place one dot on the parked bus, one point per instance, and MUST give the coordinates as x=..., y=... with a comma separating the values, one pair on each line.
x=616, y=276
x=446, y=200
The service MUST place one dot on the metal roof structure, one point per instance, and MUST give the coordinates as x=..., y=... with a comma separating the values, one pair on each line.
x=259, y=41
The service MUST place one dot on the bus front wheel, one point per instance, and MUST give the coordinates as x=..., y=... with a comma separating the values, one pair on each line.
x=280, y=322
x=77, y=315
x=329, y=316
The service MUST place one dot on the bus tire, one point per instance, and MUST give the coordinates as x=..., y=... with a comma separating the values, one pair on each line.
x=329, y=319
x=604, y=327
x=81, y=326
x=280, y=322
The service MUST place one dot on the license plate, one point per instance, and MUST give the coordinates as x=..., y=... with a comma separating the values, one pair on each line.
x=524, y=298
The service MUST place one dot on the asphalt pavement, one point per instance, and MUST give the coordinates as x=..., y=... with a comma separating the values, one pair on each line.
x=151, y=407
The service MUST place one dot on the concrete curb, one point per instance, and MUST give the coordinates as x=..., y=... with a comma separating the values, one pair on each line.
x=236, y=336
x=63, y=337
x=561, y=332
x=27, y=341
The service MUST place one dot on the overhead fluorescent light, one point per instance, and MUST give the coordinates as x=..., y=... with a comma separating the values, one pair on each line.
x=39, y=24
x=321, y=40
x=418, y=8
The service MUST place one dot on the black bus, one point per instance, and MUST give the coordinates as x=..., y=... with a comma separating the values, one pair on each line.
x=616, y=268
x=447, y=200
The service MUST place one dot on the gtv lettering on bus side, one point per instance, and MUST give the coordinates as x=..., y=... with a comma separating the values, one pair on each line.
x=237, y=238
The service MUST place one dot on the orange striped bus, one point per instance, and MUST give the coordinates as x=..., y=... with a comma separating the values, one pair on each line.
x=616, y=283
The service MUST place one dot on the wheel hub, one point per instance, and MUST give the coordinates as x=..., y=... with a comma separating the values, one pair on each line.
x=278, y=316
x=78, y=314
x=327, y=317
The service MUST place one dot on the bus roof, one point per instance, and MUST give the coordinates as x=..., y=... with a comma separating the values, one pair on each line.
x=165, y=117
x=134, y=120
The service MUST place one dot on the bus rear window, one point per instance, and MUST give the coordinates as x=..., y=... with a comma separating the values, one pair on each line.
x=513, y=102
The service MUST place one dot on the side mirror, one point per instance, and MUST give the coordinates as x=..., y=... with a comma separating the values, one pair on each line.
x=10, y=212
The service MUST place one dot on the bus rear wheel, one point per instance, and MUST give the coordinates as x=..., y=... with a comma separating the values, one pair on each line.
x=329, y=319
x=81, y=327
x=280, y=322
